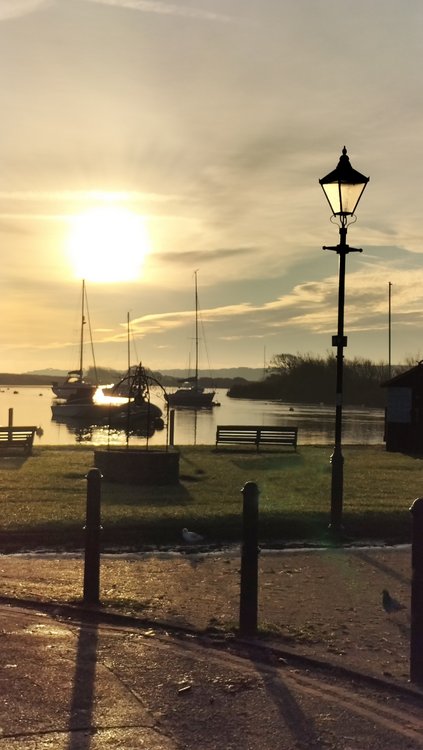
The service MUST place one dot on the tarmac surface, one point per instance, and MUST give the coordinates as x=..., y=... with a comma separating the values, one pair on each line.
x=160, y=666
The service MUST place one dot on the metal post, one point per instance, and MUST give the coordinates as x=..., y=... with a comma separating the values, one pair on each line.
x=249, y=560
x=10, y=425
x=389, y=328
x=416, y=631
x=337, y=459
x=92, y=538
x=340, y=341
x=172, y=427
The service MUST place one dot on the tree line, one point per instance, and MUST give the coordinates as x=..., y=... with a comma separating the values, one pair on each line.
x=312, y=379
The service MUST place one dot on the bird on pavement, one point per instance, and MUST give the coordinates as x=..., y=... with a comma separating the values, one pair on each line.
x=389, y=603
x=191, y=537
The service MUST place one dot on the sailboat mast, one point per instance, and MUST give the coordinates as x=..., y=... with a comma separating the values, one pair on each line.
x=128, y=341
x=196, y=329
x=81, y=344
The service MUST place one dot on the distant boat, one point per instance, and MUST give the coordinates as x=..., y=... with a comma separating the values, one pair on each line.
x=191, y=393
x=134, y=390
x=74, y=385
x=114, y=411
x=138, y=408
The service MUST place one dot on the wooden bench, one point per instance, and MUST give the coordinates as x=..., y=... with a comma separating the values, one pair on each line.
x=247, y=435
x=20, y=438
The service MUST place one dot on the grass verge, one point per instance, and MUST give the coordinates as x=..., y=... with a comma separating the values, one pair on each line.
x=42, y=498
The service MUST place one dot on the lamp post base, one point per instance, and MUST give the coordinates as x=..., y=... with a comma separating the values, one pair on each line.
x=337, y=488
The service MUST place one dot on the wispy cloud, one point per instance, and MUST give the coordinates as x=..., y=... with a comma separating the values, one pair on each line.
x=309, y=306
x=192, y=257
x=88, y=196
x=168, y=321
x=17, y=8
x=166, y=9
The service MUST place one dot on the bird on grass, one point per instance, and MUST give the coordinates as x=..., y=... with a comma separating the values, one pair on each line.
x=389, y=603
x=191, y=537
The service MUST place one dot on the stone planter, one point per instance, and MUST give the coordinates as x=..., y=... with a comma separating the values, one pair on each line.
x=138, y=466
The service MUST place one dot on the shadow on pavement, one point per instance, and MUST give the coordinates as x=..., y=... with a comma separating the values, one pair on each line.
x=83, y=693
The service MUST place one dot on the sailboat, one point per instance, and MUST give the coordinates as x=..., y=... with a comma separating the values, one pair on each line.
x=191, y=393
x=134, y=388
x=74, y=386
x=138, y=409
x=120, y=412
x=126, y=405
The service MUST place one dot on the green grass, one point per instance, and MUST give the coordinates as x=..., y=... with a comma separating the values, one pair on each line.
x=42, y=498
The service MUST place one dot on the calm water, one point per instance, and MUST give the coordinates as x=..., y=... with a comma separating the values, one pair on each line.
x=31, y=405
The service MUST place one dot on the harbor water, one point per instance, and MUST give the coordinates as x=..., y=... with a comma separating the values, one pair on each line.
x=32, y=406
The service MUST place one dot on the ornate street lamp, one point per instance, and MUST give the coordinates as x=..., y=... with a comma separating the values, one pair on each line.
x=343, y=189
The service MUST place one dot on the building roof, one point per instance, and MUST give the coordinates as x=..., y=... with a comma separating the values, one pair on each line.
x=412, y=378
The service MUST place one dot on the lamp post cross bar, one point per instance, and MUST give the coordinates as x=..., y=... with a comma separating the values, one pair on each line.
x=343, y=248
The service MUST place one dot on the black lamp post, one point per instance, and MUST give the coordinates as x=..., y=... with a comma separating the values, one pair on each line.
x=343, y=189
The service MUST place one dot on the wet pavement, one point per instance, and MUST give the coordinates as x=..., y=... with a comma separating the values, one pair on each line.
x=324, y=603
x=159, y=664
x=67, y=684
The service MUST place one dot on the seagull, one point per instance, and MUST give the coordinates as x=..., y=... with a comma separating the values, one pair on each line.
x=389, y=604
x=191, y=537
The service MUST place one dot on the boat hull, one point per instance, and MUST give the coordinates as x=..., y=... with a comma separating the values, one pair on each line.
x=73, y=390
x=116, y=416
x=195, y=399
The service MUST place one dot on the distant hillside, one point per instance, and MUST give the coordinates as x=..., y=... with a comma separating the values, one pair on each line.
x=247, y=373
x=167, y=377
x=7, y=378
x=49, y=372
x=222, y=378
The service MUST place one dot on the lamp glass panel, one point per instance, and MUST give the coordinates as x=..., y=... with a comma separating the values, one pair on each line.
x=342, y=197
x=332, y=194
x=350, y=195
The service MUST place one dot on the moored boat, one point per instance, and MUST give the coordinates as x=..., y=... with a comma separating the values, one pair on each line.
x=74, y=384
x=110, y=412
x=191, y=394
x=137, y=406
x=113, y=410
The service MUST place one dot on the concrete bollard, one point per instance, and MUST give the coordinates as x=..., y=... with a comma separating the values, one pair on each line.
x=92, y=530
x=249, y=561
x=416, y=633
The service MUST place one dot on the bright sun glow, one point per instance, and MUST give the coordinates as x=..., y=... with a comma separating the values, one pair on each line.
x=107, y=244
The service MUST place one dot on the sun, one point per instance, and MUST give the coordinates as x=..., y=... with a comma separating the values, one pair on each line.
x=107, y=244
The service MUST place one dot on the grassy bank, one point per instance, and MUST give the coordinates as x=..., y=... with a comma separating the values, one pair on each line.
x=42, y=498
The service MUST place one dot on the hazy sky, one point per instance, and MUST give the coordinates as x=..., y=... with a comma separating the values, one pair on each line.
x=193, y=134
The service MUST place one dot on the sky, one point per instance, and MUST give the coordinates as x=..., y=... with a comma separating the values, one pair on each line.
x=144, y=140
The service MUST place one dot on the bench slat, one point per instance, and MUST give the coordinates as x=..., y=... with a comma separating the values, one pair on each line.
x=253, y=435
x=17, y=437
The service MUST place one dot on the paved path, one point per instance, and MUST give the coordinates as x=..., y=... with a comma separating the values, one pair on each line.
x=91, y=686
x=323, y=603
